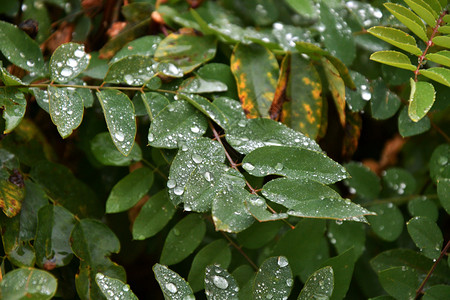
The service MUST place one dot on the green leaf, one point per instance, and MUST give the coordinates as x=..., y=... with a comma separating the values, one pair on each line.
x=362, y=181
x=255, y=69
x=440, y=57
x=92, y=242
x=198, y=85
x=397, y=182
x=424, y=11
x=442, y=40
x=426, y=235
x=129, y=190
x=319, y=285
x=439, y=162
x=421, y=99
x=153, y=216
x=346, y=235
x=28, y=283
x=400, y=282
x=66, y=109
x=424, y=207
x=133, y=70
x=20, y=49
x=186, y=51
x=206, y=107
x=154, y=103
x=441, y=75
x=104, y=150
x=435, y=5
x=201, y=149
x=308, y=236
x=397, y=38
x=113, y=288
x=119, y=114
x=409, y=19
x=437, y=292
x=9, y=79
x=393, y=58
x=274, y=279
x=252, y=134
x=173, y=286
x=257, y=207
x=183, y=239
x=303, y=7
x=408, y=127
x=295, y=163
x=144, y=46
x=229, y=211
x=35, y=198
x=342, y=265
x=336, y=87
x=217, y=252
x=443, y=191
x=13, y=105
x=259, y=234
x=67, y=62
x=59, y=182
x=244, y=275
x=175, y=124
x=444, y=29
x=52, y=246
x=337, y=36
x=357, y=100
x=388, y=223
x=232, y=110
x=222, y=73
x=219, y=284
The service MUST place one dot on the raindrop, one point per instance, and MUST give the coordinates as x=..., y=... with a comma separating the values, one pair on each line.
x=171, y=183
x=248, y=166
x=242, y=123
x=72, y=62
x=119, y=136
x=171, y=288
x=208, y=176
x=151, y=138
x=129, y=79
x=79, y=53
x=197, y=158
x=282, y=261
x=178, y=191
x=289, y=282
x=66, y=72
x=220, y=282
x=195, y=129
x=366, y=96
x=126, y=288
x=339, y=222
x=30, y=63
x=442, y=160
x=279, y=166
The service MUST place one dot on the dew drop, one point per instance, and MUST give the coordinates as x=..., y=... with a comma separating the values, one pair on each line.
x=126, y=288
x=195, y=129
x=220, y=282
x=282, y=261
x=442, y=160
x=248, y=166
x=178, y=191
x=197, y=158
x=72, y=62
x=242, y=123
x=129, y=79
x=339, y=222
x=119, y=136
x=79, y=53
x=208, y=176
x=66, y=72
x=151, y=138
x=171, y=288
x=171, y=183
x=279, y=166
x=30, y=63
x=289, y=282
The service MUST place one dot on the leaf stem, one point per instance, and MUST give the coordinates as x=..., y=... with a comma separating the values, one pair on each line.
x=422, y=285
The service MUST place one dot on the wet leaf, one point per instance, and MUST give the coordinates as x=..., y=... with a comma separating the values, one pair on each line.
x=274, y=279
x=441, y=57
x=26, y=283
x=384, y=103
x=337, y=88
x=441, y=75
x=256, y=71
x=66, y=109
x=440, y=162
x=303, y=7
x=183, y=239
x=424, y=207
x=229, y=212
x=9, y=79
x=362, y=181
x=35, y=198
x=11, y=195
x=222, y=73
x=175, y=124
x=295, y=163
x=342, y=265
x=426, y=235
x=346, y=235
x=257, y=207
x=388, y=223
x=59, y=181
x=397, y=38
x=393, y=58
x=207, y=108
x=232, y=110
x=443, y=190
x=113, y=288
x=400, y=282
x=280, y=98
x=397, y=181
x=216, y=252
x=424, y=11
x=421, y=99
x=107, y=154
x=173, y=286
x=308, y=235
x=153, y=216
x=52, y=246
x=219, y=284
x=319, y=285
x=92, y=242
x=135, y=70
x=154, y=103
x=119, y=114
x=199, y=85
x=409, y=19
x=144, y=46
x=13, y=106
x=186, y=51
x=337, y=35
x=357, y=100
x=20, y=49
x=408, y=127
x=129, y=190
x=252, y=134
x=67, y=62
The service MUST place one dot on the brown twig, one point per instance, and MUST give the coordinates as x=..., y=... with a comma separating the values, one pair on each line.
x=239, y=249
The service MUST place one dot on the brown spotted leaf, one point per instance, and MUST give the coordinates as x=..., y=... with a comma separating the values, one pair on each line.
x=352, y=133
x=281, y=97
x=305, y=92
x=256, y=71
x=337, y=88
x=12, y=192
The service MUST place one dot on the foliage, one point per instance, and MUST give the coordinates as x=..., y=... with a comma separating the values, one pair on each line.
x=250, y=146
